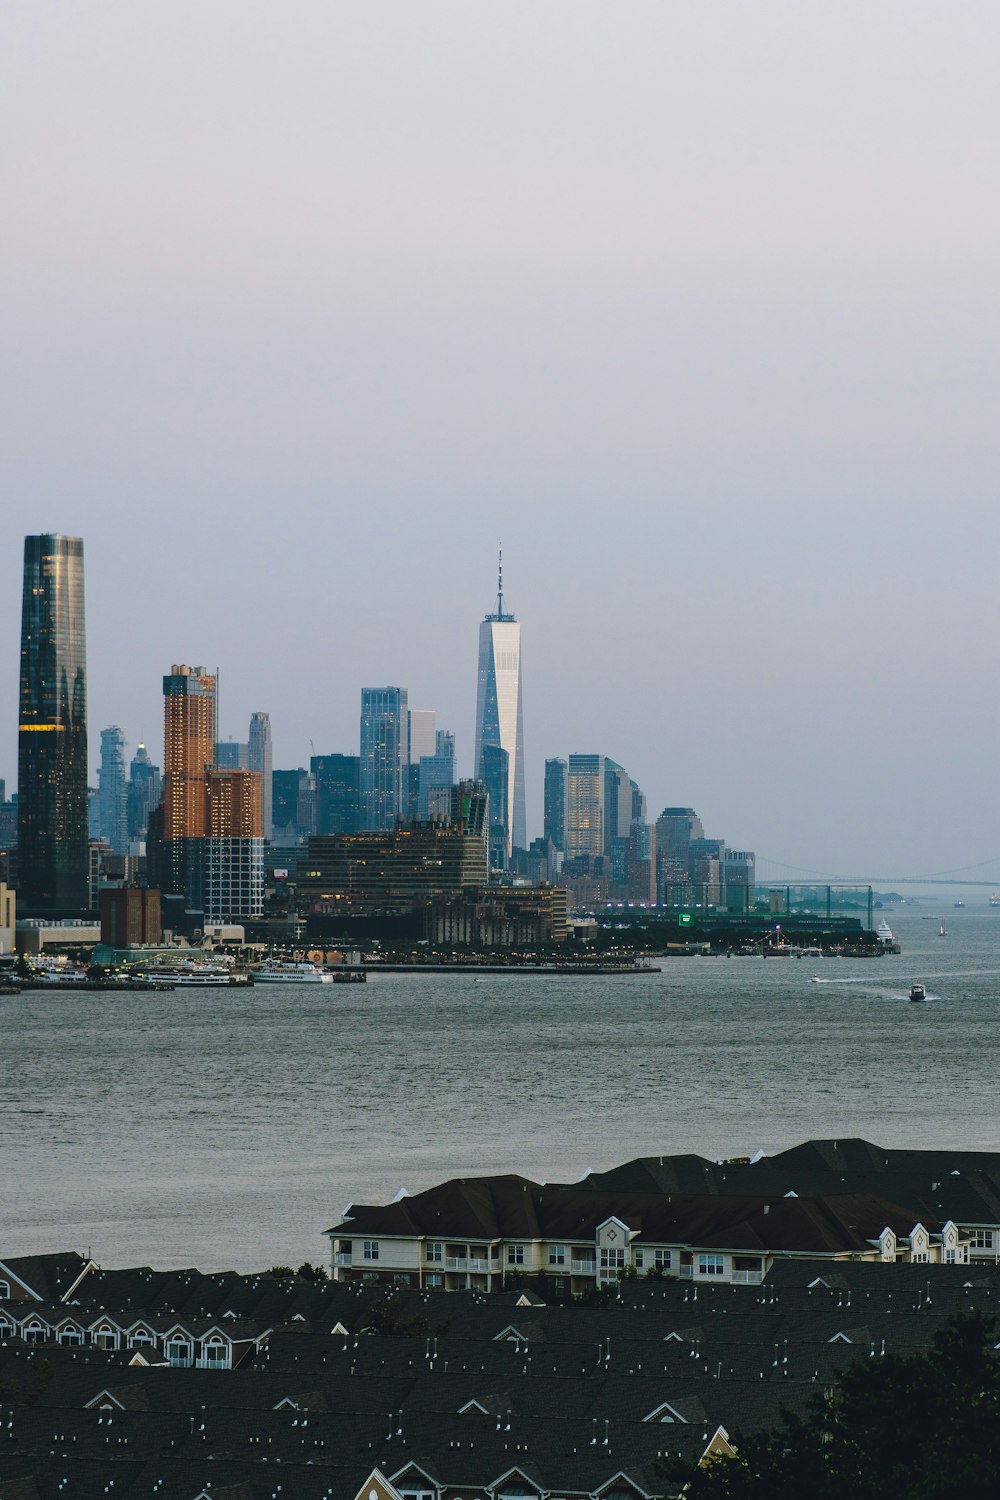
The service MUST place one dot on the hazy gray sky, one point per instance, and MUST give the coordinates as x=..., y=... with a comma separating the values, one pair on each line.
x=305, y=304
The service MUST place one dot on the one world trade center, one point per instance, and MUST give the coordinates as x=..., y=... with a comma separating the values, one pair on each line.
x=500, y=730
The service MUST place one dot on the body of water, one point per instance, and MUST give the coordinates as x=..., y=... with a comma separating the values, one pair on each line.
x=229, y=1128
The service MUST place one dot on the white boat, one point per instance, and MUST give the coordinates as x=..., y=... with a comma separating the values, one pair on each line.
x=884, y=932
x=918, y=992
x=286, y=971
x=199, y=975
x=942, y=931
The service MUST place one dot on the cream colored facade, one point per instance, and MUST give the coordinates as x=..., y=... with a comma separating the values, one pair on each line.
x=615, y=1250
x=8, y=918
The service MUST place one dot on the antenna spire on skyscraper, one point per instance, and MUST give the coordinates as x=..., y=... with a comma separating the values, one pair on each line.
x=500, y=583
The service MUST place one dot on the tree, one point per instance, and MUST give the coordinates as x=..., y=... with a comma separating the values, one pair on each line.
x=308, y=1272
x=923, y=1425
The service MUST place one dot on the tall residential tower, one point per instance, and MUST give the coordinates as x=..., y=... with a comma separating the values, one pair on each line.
x=52, y=731
x=499, y=712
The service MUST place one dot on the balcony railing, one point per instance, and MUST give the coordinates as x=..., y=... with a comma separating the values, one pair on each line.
x=466, y=1263
x=685, y=1271
x=748, y=1277
x=342, y=1258
x=583, y=1267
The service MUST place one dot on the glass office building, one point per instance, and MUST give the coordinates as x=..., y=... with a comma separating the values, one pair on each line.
x=384, y=756
x=52, y=731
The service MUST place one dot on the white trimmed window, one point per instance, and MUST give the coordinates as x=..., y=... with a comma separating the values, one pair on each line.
x=435, y=1250
x=640, y=1259
x=370, y=1249
x=515, y=1255
x=612, y=1260
x=981, y=1239
x=434, y=1278
x=711, y=1265
x=920, y=1257
x=70, y=1336
x=4, y=1291
x=178, y=1352
x=663, y=1259
x=557, y=1255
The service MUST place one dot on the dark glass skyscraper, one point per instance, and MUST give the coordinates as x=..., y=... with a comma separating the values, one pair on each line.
x=385, y=756
x=52, y=731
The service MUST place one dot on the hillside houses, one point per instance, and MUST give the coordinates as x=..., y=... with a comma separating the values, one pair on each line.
x=346, y=1388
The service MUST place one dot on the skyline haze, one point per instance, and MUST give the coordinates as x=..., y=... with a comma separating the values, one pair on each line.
x=698, y=308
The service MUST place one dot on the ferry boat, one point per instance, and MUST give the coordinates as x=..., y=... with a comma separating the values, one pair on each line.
x=199, y=975
x=884, y=932
x=287, y=971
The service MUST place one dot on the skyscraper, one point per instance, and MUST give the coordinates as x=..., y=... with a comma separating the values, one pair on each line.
x=260, y=760
x=585, y=792
x=189, y=712
x=145, y=789
x=112, y=791
x=499, y=715
x=232, y=755
x=384, y=756
x=232, y=851
x=555, y=802
x=617, y=804
x=436, y=774
x=494, y=767
x=338, y=793
x=52, y=730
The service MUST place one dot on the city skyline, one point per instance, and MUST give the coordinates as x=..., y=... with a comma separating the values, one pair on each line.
x=711, y=349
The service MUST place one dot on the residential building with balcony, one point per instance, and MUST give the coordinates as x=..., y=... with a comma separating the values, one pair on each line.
x=480, y=1233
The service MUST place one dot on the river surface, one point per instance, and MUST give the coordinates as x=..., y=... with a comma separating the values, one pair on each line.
x=230, y=1128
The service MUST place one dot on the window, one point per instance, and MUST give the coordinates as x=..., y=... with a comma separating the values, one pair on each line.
x=612, y=1260
x=434, y=1250
x=920, y=1257
x=70, y=1336
x=179, y=1353
x=663, y=1260
x=34, y=1333
x=949, y=1257
x=640, y=1259
x=370, y=1249
x=982, y=1239
x=557, y=1255
x=4, y=1290
x=434, y=1279
x=515, y=1255
x=214, y=1351
x=711, y=1265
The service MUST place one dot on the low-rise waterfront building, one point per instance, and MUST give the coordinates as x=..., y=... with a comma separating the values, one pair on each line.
x=476, y=1233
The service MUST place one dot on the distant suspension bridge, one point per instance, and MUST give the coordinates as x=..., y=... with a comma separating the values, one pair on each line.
x=778, y=872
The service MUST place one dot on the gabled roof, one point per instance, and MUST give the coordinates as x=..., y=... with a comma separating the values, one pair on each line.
x=46, y=1278
x=465, y=1208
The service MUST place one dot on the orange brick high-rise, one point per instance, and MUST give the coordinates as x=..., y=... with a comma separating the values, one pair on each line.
x=189, y=733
